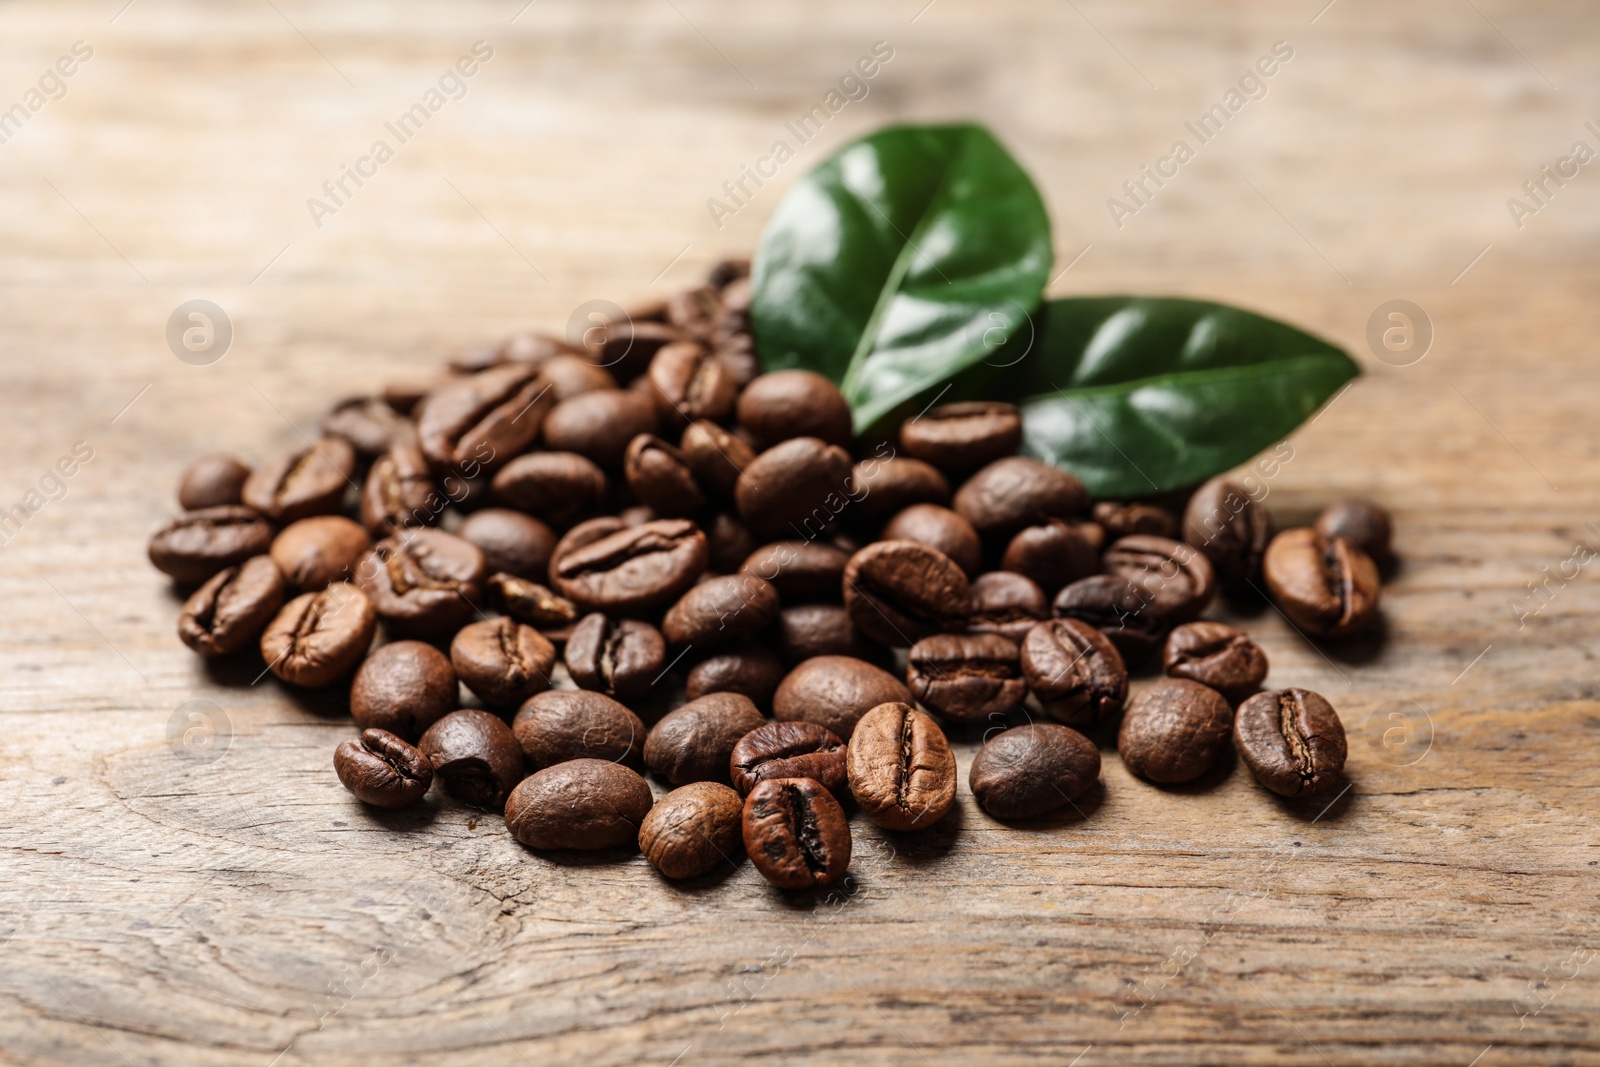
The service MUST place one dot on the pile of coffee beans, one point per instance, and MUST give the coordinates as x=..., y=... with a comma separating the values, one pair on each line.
x=638, y=554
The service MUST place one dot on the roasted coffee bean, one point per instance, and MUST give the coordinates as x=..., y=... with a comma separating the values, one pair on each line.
x=693, y=830
x=1014, y=492
x=558, y=487
x=533, y=604
x=322, y=549
x=474, y=756
x=503, y=661
x=694, y=311
x=404, y=396
x=599, y=425
x=634, y=569
x=212, y=481
x=835, y=692
x=404, y=687
x=1126, y=520
x=940, y=528
x=695, y=742
x=1365, y=524
x=511, y=542
x=399, y=492
x=1231, y=528
x=1217, y=655
x=808, y=630
x=1292, y=741
x=193, y=547
x=898, y=592
x=691, y=382
x=728, y=271
x=795, y=833
x=228, y=613
x=473, y=358
x=715, y=456
x=1120, y=609
x=621, y=658
x=382, y=770
x=1033, y=770
x=1075, y=671
x=534, y=348
x=720, y=610
x=308, y=481
x=800, y=570
x=569, y=376
x=626, y=348
x=965, y=677
x=423, y=582
x=729, y=542
x=790, y=750
x=963, y=437
x=589, y=531
x=798, y=486
x=1174, y=731
x=794, y=403
x=483, y=419
x=369, y=424
x=583, y=804
x=318, y=638
x=567, y=724
x=659, y=475
x=1055, y=553
x=1006, y=604
x=882, y=487
x=901, y=770
x=1328, y=587
x=747, y=668
x=1177, y=577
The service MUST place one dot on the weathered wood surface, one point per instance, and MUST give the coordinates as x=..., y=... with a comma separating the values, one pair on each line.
x=162, y=909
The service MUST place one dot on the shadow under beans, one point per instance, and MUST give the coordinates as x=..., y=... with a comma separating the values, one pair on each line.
x=1072, y=813
x=238, y=671
x=705, y=883
x=331, y=702
x=566, y=857
x=401, y=820
x=1330, y=807
x=921, y=847
x=1357, y=650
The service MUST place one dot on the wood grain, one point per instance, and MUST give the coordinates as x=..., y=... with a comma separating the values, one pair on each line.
x=158, y=908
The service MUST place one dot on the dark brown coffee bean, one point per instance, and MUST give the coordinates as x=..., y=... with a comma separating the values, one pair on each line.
x=404, y=687
x=694, y=311
x=1120, y=609
x=533, y=604
x=695, y=742
x=794, y=403
x=1327, y=587
x=729, y=542
x=835, y=692
x=599, y=425
x=1177, y=577
x=570, y=375
x=583, y=804
x=659, y=475
x=1126, y=520
x=1075, y=671
x=963, y=437
x=1055, y=553
x=589, y=531
x=690, y=382
x=721, y=610
x=797, y=487
x=800, y=570
x=1030, y=771
x=534, y=348
x=808, y=630
x=369, y=424
x=715, y=456
x=382, y=770
x=1365, y=524
x=474, y=756
x=399, y=492
x=1174, y=730
x=228, y=613
x=939, y=528
x=404, y=396
x=1215, y=654
x=212, y=481
x=511, y=542
x=308, y=481
x=567, y=724
x=1292, y=741
x=621, y=658
x=965, y=677
x=503, y=661
x=1232, y=529
x=625, y=348
x=693, y=830
x=898, y=592
x=795, y=833
x=322, y=549
x=790, y=750
x=747, y=668
x=473, y=358
x=483, y=419
x=193, y=547
x=634, y=569
x=1014, y=492
x=423, y=582
x=901, y=770
x=558, y=487
x=318, y=638
x=1006, y=604
x=882, y=487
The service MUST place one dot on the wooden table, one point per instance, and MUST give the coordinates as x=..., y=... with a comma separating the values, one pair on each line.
x=161, y=908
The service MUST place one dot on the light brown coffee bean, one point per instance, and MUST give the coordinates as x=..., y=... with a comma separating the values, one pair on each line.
x=901, y=770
